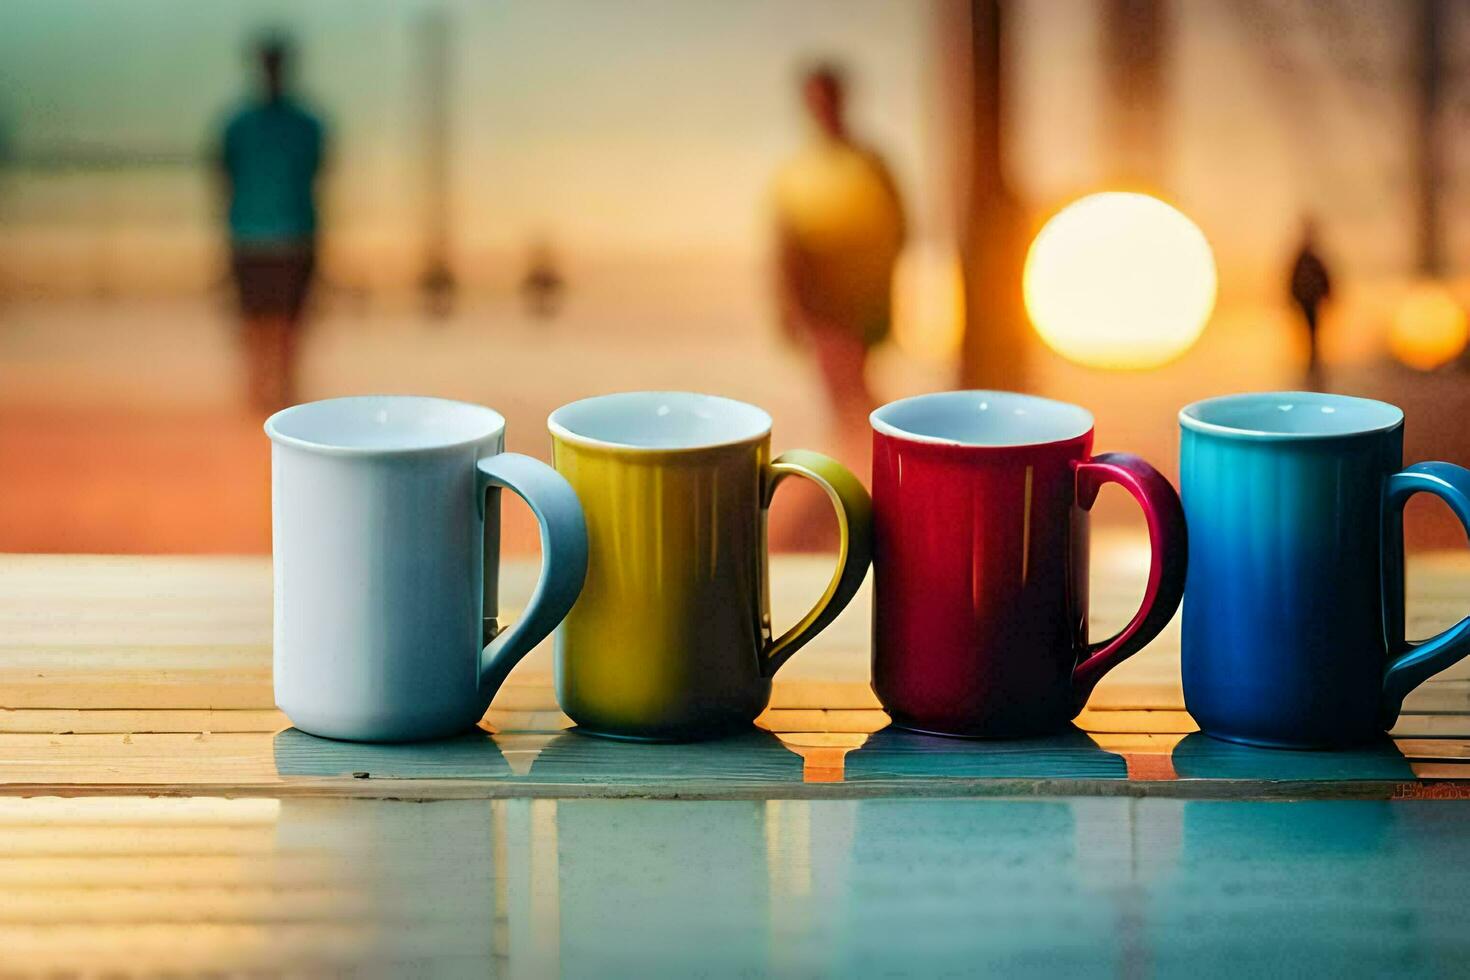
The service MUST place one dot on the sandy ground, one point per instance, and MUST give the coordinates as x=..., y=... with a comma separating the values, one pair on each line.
x=122, y=426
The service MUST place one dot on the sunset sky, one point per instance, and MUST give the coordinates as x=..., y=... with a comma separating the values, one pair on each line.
x=651, y=128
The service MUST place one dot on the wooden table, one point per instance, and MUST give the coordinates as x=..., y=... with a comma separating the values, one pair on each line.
x=157, y=813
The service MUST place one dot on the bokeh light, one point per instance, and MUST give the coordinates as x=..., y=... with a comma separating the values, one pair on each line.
x=1120, y=280
x=929, y=302
x=1429, y=327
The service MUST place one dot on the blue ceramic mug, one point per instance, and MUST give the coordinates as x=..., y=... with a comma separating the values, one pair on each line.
x=1294, y=608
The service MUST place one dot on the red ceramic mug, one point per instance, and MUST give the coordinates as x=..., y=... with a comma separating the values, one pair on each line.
x=980, y=503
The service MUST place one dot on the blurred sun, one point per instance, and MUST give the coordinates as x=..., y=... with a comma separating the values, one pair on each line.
x=1119, y=280
x=1429, y=328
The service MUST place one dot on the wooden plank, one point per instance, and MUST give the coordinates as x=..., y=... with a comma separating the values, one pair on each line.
x=1445, y=771
x=813, y=720
x=1445, y=749
x=525, y=721
x=1443, y=697
x=1121, y=693
x=1431, y=726
x=570, y=765
x=64, y=721
x=137, y=657
x=146, y=633
x=758, y=765
x=137, y=760
x=1136, y=722
x=1124, y=743
x=526, y=707
x=88, y=677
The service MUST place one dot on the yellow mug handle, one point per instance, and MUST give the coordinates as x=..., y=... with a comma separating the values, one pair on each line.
x=855, y=544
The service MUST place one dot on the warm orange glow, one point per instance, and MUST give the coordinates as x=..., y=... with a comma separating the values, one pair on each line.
x=928, y=302
x=1120, y=280
x=1429, y=328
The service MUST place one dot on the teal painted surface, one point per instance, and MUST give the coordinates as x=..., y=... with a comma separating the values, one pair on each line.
x=1199, y=756
x=858, y=888
x=889, y=762
x=473, y=756
x=1324, y=889
x=756, y=758
x=894, y=754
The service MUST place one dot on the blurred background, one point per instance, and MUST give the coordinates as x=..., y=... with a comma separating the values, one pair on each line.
x=207, y=211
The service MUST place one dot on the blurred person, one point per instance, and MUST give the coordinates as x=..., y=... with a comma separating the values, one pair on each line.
x=438, y=286
x=1311, y=287
x=839, y=230
x=542, y=287
x=270, y=156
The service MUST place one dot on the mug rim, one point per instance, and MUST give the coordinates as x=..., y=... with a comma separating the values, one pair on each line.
x=557, y=425
x=883, y=426
x=1191, y=420
x=495, y=426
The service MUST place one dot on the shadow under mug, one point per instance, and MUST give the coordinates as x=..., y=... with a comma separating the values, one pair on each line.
x=1294, y=618
x=386, y=540
x=980, y=554
x=671, y=638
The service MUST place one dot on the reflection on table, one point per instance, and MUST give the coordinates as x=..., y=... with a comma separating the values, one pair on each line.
x=518, y=887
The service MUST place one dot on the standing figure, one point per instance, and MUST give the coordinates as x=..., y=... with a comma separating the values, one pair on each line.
x=839, y=231
x=542, y=286
x=270, y=157
x=1311, y=286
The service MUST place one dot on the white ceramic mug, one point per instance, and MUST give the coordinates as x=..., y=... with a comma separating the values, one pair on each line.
x=386, y=564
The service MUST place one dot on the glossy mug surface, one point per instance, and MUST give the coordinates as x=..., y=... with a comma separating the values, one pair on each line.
x=1294, y=618
x=386, y=528
x=980, y=555
x=671, y=639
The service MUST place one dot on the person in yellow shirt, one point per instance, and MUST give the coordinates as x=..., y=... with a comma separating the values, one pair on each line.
x=839, y=230
x=839, y=227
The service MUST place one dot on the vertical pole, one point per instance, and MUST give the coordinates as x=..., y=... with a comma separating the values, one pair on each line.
x=1133, y=64
x=993, y=245
x=1430, y=31
x=434, y=50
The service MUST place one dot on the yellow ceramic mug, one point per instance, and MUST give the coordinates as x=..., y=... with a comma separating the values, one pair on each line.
x=671, y=638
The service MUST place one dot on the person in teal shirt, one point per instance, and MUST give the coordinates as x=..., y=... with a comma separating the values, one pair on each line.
x=270, y=156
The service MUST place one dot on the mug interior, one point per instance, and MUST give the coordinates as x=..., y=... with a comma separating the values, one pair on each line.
x=659, y=420
x=383, y=423
x=982, y=418
x=1287, y=414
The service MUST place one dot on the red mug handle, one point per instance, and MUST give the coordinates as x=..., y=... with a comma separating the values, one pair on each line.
x=1169, y=543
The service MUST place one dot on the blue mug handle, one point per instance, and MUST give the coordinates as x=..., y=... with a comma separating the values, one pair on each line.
x=563, y=558
x=1413, y=662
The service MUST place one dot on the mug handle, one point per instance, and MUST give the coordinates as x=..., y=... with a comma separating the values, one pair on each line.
x=1169, y=544
x=855, y=549
x=563, y=558
x=1414, y=662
